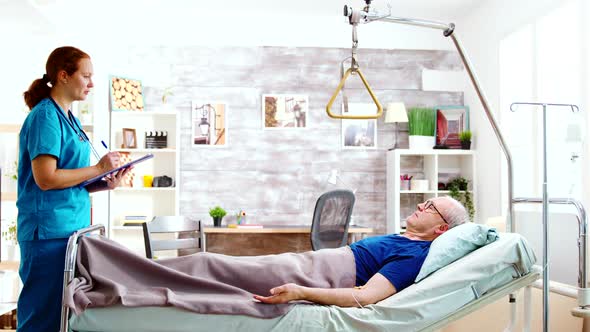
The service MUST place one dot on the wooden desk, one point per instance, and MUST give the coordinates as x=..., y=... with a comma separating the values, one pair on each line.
x=276, y=239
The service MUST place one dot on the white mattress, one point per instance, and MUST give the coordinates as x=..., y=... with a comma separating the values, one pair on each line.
x=415, y=308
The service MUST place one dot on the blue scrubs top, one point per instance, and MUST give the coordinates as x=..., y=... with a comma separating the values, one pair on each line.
x=52, y=213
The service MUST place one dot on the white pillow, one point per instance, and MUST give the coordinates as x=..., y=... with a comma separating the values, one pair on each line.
x=454, y=244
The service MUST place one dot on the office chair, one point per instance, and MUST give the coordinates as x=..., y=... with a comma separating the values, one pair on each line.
x=331, y=218
x=172, y=224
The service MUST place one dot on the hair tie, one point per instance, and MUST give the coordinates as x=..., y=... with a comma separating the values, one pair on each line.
x=45, y=78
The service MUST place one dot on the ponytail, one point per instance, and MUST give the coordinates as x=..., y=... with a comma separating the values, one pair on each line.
x=62, y=58
x=37, y=92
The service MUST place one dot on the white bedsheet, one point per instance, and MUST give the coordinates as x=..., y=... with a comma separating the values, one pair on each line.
x=413, y=309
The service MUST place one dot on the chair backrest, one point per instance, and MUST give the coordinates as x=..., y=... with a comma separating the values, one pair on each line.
x=331, y=218
x=172, y=224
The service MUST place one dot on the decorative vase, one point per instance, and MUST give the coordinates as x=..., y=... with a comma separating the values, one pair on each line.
x=466, y=145
x=421, y=142
x=217, y=221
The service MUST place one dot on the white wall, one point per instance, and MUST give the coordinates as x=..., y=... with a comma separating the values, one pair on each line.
x=106, y=34
x=481, y=32
x=107, y=30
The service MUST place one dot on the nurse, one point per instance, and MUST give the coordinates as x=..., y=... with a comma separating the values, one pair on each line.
x=54, y=158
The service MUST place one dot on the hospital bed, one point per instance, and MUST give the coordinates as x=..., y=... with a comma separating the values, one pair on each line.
x=479, y=278
x=485, y=275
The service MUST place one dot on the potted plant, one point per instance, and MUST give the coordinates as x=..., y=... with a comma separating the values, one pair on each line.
x=217, y=213
x=458, y=189
x=465, y=138
x=421, y=128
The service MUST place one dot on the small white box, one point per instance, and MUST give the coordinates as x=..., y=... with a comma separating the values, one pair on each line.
x=419, y=185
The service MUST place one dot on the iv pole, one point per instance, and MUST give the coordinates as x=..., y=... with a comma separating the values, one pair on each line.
x=545, y=202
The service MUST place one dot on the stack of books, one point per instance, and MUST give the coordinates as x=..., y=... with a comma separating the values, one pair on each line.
x=134, y=220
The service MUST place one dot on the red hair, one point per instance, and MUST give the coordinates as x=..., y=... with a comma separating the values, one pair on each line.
x=65, y=58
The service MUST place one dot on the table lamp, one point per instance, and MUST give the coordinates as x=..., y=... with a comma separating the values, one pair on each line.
x=395, y=113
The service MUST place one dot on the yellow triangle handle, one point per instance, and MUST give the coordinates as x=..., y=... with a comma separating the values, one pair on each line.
x=355, y=117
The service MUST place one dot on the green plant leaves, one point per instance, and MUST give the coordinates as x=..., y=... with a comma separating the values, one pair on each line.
x=421, y=121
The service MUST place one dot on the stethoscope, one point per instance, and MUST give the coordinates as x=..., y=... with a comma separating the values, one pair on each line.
x=77, y=129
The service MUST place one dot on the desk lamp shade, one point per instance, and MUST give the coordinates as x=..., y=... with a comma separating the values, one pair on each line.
x=396, y=112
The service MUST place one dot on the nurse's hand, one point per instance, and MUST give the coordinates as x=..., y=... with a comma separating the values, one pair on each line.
x=113, y=180
x=109, y=161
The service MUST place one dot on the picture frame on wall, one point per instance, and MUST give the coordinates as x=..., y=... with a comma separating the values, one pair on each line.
x=359, y=134
x=450, y=122
x=283, y=111
x=126, y=94
x=209, y=123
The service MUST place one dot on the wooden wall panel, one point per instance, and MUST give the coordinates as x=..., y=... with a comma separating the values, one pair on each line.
x=277, y=175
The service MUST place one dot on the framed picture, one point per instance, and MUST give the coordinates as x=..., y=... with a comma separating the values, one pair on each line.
x=285, y=111
x=129, y=138
x=209, y=123
x=126, y=94
x=450, y=121
x=359, y=133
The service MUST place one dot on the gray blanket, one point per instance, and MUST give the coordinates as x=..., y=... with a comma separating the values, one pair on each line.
x=208, y=283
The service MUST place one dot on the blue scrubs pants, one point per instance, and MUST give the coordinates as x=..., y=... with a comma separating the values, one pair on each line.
x=41, y=271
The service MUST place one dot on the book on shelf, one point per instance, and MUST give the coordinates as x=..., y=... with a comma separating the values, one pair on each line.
x=134, y=220
x=245, y=226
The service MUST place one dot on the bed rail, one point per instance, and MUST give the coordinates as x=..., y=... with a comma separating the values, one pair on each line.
x=583, y=291
x=70, y=267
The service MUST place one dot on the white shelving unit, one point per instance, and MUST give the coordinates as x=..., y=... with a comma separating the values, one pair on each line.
x=436, y=166
x=138, y=200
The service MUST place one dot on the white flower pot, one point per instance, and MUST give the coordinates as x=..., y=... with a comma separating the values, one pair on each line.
x=421, y=142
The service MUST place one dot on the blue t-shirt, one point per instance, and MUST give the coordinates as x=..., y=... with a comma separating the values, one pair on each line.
x=52, y=213
x=396, y=257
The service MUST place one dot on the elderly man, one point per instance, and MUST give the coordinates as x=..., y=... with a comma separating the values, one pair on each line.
x=384, y=264
x=214, y=283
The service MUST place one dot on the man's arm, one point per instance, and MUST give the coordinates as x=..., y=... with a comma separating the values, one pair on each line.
x=375, y=290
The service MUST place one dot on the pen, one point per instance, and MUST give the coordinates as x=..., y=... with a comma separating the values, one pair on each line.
x=105, y=145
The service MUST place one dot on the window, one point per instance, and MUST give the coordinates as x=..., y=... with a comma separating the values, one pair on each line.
x=541, y=62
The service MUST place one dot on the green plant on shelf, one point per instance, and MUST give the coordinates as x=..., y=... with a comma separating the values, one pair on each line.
x=458, y=189
x=421, y=121
x=465, y=136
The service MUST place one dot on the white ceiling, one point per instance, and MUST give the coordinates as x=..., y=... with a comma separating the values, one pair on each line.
x=256, y=22
x=54, y=10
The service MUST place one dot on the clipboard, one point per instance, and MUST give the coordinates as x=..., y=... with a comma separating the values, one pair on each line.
x=131, y=163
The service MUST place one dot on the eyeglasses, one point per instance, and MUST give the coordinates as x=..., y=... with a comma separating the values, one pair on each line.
x=430, y=204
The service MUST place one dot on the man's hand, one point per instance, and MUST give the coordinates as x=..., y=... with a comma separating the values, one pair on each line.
x=375, y=290
x=282, y=294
